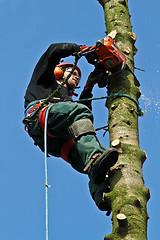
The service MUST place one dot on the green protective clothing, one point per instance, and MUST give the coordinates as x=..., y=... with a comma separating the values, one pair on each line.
x=61, y=116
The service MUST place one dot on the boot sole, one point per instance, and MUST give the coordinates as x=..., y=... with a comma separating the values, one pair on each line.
x=104, y=163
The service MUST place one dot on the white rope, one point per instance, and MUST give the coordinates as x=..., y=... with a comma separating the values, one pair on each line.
x=46, y=172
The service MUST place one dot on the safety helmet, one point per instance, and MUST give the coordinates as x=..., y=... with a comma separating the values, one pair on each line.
x=58, y=71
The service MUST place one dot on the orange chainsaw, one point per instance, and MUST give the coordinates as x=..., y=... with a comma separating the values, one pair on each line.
x=107, y=53
x=107, y=58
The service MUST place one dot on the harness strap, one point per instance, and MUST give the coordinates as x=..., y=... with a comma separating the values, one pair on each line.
x=30, y=110
x=66, y=148
x=42, y=115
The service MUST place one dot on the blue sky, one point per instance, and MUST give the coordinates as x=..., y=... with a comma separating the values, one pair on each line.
x=28, y=27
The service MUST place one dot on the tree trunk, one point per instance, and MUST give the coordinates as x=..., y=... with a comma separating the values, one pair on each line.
x=128, y=196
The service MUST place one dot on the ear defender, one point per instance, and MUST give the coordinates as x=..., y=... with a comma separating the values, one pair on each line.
x=58, y=72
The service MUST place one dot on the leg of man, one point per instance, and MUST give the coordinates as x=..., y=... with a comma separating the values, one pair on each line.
x=68, y=119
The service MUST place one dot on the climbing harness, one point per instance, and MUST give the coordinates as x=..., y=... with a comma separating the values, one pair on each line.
x=42, y=119
x=37, y=106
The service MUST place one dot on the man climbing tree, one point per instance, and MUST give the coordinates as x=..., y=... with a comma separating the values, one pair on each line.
x=128, y=196
x=70, y=132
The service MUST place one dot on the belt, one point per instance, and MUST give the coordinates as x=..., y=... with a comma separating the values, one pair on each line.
x=31, y=108
x=33, y=103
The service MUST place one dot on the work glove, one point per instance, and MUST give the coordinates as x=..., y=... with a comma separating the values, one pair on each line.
x=91, y=58
x=99, y=76
x=83, y=48
x=92, y=80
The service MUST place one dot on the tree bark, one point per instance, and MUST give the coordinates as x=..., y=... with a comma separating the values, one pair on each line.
x=128, y=196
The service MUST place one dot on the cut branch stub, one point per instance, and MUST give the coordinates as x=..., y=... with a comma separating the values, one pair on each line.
x=143, y=156
x=117, y=144
x=147, y=193
x=113, y=34
x=133, y=36
x=135, y=50
x=113, y=107
x=137, y=202
x=127, y=50
x=122, y=220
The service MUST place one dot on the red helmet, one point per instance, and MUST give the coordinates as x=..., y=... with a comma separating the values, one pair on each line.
x=58, y=72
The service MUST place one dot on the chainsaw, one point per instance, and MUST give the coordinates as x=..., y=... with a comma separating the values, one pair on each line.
x=107, y=53
x=106, y=57
x=108, y=60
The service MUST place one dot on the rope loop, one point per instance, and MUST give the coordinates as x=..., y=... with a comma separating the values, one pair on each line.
x=139, y=111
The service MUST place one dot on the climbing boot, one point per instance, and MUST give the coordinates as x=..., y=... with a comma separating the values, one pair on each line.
x=98, y=198
x=99, y=165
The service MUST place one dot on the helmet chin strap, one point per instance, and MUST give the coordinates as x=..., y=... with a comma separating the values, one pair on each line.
x=70, y=90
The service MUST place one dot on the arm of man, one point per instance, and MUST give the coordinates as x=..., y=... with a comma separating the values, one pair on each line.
x=43, y=71
x=87, y=91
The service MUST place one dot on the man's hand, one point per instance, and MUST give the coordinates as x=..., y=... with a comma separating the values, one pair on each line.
x=99, y=75
x=83, y=48
x=92, y=80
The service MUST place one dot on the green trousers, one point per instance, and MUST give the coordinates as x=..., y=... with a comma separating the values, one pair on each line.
x=61, y=116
